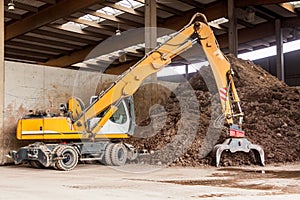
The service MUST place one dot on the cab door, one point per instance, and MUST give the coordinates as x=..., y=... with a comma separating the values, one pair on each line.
x=119, y=123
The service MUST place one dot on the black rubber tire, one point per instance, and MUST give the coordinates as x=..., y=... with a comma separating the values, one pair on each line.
x=107, y=154
x=36, y=164
x=54, y=151
x=70, y=160
x=119, y=154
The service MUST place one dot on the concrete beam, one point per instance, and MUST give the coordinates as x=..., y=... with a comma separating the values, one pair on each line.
x=244, y=3
x=69, y=59
x=249, y=34
x=290, y=22
x=62, y=36
x=12, y=15
x=120, y=69
x=77, y=31
x=195, y=4
x=161, y=6
x=30, y=58
x=46, y=16
x=48, y=42
x=22, y=44
x=213, y=12
x=19, y=51
x=49, y=1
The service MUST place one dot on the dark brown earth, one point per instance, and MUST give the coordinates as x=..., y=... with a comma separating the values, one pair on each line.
x=272, y=120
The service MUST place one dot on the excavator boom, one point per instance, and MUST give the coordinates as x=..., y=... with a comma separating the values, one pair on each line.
x=128, y=82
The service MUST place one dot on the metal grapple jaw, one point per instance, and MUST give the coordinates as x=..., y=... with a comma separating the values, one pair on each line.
x=237, y=142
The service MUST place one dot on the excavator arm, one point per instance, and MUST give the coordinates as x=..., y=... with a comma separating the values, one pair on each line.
x=127, y=83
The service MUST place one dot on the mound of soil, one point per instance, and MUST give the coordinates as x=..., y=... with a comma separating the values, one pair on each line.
x=186, y=138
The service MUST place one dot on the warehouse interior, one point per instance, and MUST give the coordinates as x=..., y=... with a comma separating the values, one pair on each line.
x=62, y=35
x=141, y=86
x=46, y=43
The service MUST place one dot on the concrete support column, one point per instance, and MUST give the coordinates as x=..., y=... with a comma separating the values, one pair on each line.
x=232, y=31
x=150, y=25
x=150, y=43
x=2, y=74
x=279, y=50
x=186, y=71
x=150, y=29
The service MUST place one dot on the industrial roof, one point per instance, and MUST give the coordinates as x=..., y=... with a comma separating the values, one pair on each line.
x=61, y=33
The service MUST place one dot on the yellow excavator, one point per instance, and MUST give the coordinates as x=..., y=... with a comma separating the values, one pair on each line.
x=110, y=115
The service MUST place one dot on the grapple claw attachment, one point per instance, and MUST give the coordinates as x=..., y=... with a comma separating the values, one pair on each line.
x=259, y=153
x=239, y=144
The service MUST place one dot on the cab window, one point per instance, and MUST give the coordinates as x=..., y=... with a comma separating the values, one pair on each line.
x=119, y=116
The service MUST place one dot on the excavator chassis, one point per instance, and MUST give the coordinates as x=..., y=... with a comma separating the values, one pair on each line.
x=66, y=156
x=34, y=152
x=239, y=144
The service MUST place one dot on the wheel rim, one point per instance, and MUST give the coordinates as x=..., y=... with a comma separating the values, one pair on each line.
x=121, y=154
x=67, y=159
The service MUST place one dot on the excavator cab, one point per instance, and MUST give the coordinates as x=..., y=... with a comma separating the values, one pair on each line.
x=121, y=122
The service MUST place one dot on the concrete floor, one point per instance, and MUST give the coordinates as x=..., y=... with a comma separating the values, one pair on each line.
x=148, y=182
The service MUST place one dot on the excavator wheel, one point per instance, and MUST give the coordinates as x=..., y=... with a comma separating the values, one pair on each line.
x=54, y=151
x=119, y=154
x=107, y=154
x=70, y=158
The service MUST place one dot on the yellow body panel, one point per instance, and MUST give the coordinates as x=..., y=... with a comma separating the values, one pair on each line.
x=55, y=128
x=28, y=127
x=58, y=124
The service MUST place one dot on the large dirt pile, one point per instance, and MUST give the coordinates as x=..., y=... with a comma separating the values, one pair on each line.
x=272, y=120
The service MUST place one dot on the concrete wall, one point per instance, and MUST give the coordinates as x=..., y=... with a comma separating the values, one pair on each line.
x=37, y=87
